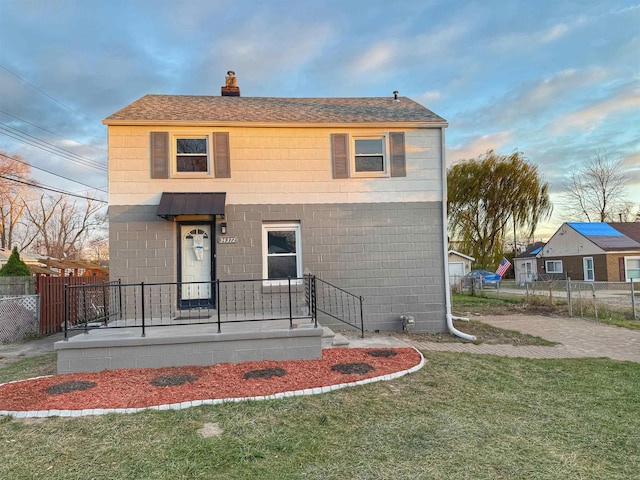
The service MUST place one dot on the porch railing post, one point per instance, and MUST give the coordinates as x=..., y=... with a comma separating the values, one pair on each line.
x=142, y=308
x=120, y=296
x=290, y=309
x=66, y=312
x=104, y=302
x=84, y=303
x=218, y=302
x=361, y=319
x=314, y=305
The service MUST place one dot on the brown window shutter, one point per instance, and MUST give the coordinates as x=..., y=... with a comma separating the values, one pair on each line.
x=221, y=157
x=340, y=155
x=159, y=154
x=623, y=274
x=398, y=157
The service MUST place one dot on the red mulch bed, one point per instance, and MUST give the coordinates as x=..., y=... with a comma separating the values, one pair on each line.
x=133, y=388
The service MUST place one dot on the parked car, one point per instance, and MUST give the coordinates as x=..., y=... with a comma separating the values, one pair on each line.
x=482, y=278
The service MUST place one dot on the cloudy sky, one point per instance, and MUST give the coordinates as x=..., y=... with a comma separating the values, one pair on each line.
x=555, y=79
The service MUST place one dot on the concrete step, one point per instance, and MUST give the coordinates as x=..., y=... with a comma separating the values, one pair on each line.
x=340, y=341
x=330, y=339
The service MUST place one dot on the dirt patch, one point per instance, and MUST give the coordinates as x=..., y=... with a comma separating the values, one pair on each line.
x=210, y=430
x=265, y=373
x=68, y=387
x=484, y=333
x=382, y=353
x=351, y=368
x=471, y=309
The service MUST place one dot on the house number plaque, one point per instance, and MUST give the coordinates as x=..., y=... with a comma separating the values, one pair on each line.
x=227, y=239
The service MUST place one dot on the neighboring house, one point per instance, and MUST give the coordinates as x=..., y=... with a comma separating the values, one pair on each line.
x=525, y=265
x=593, y=252
x=459, y=266
x=230, y=187
x=39, y=265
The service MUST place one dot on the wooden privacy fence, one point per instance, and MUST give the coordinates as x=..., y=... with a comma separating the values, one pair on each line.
x=51, y=291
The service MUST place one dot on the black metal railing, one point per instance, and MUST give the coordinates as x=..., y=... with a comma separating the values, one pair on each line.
x=338, y=304
x=143, y=305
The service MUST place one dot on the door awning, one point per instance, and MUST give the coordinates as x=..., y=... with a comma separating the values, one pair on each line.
x=174, y=204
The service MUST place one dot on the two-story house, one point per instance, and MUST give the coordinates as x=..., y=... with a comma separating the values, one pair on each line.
x=231, y=187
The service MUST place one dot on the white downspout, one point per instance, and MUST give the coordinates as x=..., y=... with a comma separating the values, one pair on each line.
x=445, y=247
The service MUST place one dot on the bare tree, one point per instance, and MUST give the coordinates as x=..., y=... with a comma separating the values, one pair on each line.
x=62, y=224
x=629, y=212
x=13, y=171
x=597, y=190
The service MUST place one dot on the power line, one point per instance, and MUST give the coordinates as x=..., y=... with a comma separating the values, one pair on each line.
x=50, y=145
x=52, y=189
x=47, y=95
x=52, y=173
x=53, y=133
x=50, y=148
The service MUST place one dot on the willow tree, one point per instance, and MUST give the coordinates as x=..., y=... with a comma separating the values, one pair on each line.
x=489, y=196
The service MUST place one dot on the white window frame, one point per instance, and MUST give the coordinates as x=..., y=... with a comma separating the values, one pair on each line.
x=553, y=262
x=281, y=227
x=385, y=155
x=584, y=269
x=174, y=156
x=626, y=268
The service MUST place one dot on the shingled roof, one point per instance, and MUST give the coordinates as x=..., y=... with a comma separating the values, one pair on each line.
x=610, y=236
x=156, y=109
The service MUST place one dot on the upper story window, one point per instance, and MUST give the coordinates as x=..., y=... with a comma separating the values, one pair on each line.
x=375, y=155
x=189, y=155
x=192, y=155
x=370, y=157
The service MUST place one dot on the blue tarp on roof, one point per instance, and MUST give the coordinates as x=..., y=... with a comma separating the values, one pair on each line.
x=599, y=229
x=536, y=251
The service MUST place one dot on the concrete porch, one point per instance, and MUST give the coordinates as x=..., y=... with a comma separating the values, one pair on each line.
x=191, y=344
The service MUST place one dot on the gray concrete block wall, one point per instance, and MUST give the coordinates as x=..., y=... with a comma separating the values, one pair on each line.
x=141, y=245
x=390, y=253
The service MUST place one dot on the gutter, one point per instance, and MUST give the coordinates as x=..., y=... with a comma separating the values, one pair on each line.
x=445, y=248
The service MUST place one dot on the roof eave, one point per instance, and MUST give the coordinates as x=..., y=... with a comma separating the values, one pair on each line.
x=201, y=123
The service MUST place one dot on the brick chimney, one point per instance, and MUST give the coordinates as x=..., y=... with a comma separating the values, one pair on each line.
x=231, y=88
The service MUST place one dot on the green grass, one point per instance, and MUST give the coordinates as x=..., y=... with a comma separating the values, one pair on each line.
x=29, y=367
x=607, y=314
x=461, y=417
x=464, y=300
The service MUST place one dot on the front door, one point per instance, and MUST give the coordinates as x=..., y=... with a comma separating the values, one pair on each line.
x=196, y=266
x=528, y=267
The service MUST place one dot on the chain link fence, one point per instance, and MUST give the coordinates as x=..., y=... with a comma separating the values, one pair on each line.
x=19, y=317
x=584, y=299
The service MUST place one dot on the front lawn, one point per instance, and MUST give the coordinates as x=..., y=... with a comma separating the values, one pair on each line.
x=461, y=417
